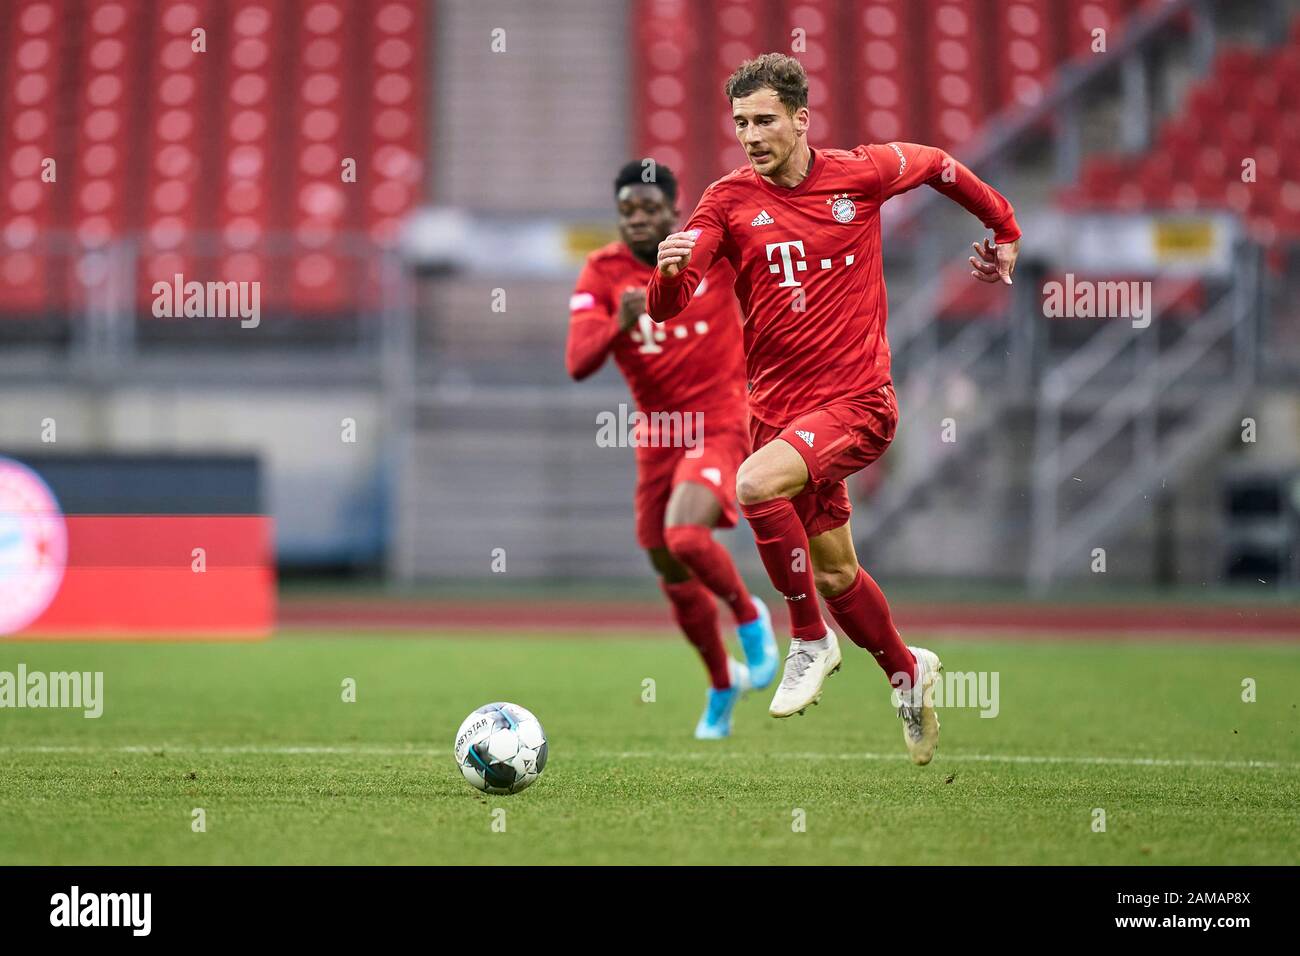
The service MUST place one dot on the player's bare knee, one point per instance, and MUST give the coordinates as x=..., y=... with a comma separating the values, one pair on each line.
x=834, y=580
x=753, y=487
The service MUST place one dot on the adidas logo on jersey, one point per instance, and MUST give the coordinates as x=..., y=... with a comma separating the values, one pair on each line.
x=806, y=436
x=762, y=219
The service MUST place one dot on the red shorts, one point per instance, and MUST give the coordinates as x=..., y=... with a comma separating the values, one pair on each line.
x=714, y=465
x=835, y=441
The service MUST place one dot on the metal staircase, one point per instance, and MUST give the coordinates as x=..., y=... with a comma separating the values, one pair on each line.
x=922, y=462
x=1172, y=403
x=1177, y=407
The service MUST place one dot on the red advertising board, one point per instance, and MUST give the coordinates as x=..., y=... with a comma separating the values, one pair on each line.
x=129, y=576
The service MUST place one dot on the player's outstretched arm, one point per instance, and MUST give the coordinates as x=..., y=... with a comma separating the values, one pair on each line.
x=904, y=166
x=997, y=259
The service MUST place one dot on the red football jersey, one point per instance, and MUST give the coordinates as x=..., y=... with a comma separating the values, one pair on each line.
x=808, y=267
x=692, y=363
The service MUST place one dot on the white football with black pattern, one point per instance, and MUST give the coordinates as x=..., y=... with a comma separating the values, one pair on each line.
x=501, y=748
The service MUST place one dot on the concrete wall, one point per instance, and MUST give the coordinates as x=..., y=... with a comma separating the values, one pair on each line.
x=324, y=493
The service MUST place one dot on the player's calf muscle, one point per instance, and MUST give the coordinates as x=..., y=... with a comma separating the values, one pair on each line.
x=834, y=561
x=834, y=580
x=668, y=567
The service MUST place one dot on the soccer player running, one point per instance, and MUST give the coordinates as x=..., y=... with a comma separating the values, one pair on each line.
x=692, y=371
x=801, y=228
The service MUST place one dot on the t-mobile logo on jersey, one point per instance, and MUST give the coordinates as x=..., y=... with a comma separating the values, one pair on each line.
x=789, y=265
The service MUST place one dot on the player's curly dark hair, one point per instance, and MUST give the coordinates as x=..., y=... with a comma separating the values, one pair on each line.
x=782, y=74
x=635, y=171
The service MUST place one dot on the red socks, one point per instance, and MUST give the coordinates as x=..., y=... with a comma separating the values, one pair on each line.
x=783, y=546
x=693, y=546
x=696, y=614
x=693, y=606
x=863, y=614
x=861, y=611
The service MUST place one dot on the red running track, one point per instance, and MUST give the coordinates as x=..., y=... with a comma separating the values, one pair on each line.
x=1079, y=620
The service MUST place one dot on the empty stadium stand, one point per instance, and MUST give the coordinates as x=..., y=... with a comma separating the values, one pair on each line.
x=221, y=149
x=1234, y=146
x=878, y=70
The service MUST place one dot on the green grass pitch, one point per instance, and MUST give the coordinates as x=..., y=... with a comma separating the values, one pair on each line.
x=1156, y=735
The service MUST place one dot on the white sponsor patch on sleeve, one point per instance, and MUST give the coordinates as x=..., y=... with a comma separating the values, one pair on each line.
x=902, y=160
x=581, y=300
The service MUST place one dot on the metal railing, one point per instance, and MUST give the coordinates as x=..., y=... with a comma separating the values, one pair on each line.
x=95, y=323
x=922, y=410
x=1170, y=403
x=919, y=350
x=912, y=328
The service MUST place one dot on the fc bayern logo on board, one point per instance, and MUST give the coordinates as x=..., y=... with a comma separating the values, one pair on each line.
x=842, y=208
x=33, y=546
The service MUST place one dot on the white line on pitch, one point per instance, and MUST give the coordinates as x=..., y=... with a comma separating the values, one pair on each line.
x=974, y=758
x=379, y=750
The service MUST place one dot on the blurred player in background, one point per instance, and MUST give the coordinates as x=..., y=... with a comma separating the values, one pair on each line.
x=692, y=368
x=801, y=228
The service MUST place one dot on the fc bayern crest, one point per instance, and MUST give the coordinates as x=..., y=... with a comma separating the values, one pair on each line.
x=842, y=208
x=33, y=546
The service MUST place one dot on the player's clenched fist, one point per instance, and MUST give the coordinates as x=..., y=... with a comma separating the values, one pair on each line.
x=675, y=252
x=630, y=308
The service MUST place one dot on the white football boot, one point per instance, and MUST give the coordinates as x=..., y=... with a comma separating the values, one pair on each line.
x=916, y=708
x=807, y=664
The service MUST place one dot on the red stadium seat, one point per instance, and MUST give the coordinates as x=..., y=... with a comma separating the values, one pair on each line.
x=1235, y=68
x=1085, y=17
x=1286, y=68
x=740, y=31
x=204, y=156
x=959, y=83
x=32, y=114
x=1243, y=113
x=918, y=70
x=1103, y=175
x=812, y=24
x=251, y=114
x=1208, y=99
x=395, y=134
x=962, y=296
x=321, y=276
x=667, y=52
x=1180, y=140
x=1156, y=178
x=887, y=95
x=1029, y=48
x=105, y=124
x=183, y=148
x=1287, y=222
